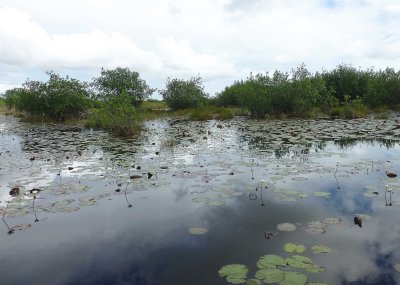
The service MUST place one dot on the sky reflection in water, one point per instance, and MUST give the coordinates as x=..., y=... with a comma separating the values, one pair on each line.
x=149, y=243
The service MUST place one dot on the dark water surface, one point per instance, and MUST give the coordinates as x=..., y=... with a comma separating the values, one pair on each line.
x=264, y=172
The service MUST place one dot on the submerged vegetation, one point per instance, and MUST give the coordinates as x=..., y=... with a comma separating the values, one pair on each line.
x=118, y=100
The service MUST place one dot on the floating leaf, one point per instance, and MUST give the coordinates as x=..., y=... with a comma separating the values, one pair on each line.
x=293, y=278
x=314, y=231
x=201, y=199
x=315, y=269
x=197, y=231
x=332, y=221
x=215, y=203
x=291, y=247
x=253, y=282
x=322, y=194
x=321, y=249
x=234, y=273
x=270, y=261
x=286, y=227
x=270, y=275
x=21, y=227
x=301, y=263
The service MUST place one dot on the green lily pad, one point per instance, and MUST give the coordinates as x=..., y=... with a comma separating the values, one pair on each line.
x=253, y=282
x=215, y=203
x=299, y=261
x=197, y=231
x=293, y=278
x=271, y=260
x=234, y=273
x=315, y=269
x=322, y=194
x=201, y=199
x=332, y=221
x=321, y=249
x=286, y=227
x=270, y=275
x=291, y=247
x=233, y=280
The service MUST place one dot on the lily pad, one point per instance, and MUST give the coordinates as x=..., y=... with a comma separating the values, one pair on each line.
x=234, y=273
x=322, y=194
x=291, y=247
x=298, y=261
x=215, y=203
x=270, y=275
x=321, y=249
x=286, y=227
x=197, y=231
x=315, y=231
x=201, y=199
x=293, y=278
x=253, y=282
x=21, y=227
x=270, y=261
x=332, y=221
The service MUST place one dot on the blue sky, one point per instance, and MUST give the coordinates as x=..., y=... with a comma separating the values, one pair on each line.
x=220, y=40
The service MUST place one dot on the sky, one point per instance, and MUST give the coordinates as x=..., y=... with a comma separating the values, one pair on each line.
x=219, y=40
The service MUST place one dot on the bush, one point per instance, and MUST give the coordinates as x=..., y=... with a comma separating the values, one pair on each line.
x=183, y=94
x=117, y=116
x=58, y=98
x=119, y=81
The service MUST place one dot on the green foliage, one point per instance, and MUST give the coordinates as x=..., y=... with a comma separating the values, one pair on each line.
x=383, y=88
x=183, y=94
x=59, y=98
x=279, y=94
x=117, y=81
x=117, y=115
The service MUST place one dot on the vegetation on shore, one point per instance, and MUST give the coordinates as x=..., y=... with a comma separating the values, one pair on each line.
x=118, y=100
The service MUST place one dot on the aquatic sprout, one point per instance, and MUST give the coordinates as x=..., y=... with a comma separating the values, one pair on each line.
x=10, y=230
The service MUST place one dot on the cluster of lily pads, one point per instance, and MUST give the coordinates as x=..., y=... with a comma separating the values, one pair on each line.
x=320, y=226
x=273, y=269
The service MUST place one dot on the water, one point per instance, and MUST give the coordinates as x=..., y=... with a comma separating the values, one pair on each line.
x=97, y=226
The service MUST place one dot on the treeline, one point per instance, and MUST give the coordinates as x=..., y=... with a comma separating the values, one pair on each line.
x=113, y=100
x=343, y=89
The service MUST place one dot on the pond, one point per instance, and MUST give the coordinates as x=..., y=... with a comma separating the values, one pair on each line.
x=259, y=202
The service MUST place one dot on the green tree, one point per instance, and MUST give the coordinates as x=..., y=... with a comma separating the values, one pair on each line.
x=182, y=94
x=122, y=80
x=59, y=98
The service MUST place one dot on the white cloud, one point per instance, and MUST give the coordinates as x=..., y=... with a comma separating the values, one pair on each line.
x=216, y=39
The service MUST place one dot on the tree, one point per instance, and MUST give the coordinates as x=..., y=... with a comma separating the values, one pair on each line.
x=182, y=94
x=58, y=98
x=122, y=80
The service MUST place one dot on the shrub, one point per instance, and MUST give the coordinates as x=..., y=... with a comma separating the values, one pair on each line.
x=119, y=81
x=117, y=115
x=58, y=98
x=183, y=94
